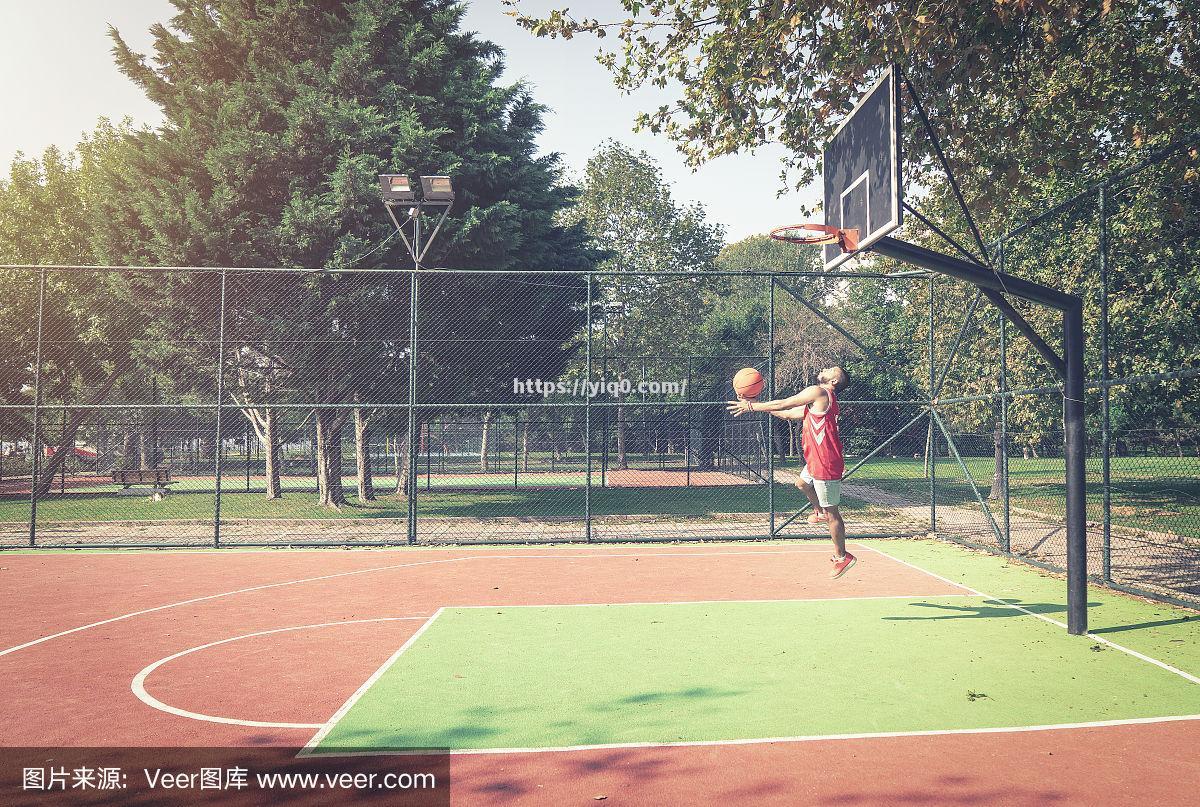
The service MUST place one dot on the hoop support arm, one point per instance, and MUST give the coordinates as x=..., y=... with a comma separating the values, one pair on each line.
x=992, y=284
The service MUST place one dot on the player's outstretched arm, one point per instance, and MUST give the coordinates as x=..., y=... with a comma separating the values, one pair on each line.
x=804, y=397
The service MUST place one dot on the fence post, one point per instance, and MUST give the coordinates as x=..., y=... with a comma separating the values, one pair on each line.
x=220, y=402
x=687, y=435
x=411, y=484
x=62, y=466
x=1004, y=477
x=247, y=444
x=1074, y=449
x=587, y=420
x=35, y=450
x=1106, y=413
x=931, y=452
x=771, y=397
x=645, y=427
x=607, y=412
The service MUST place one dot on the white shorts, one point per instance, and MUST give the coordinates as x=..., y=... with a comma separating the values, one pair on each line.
x=829, y=491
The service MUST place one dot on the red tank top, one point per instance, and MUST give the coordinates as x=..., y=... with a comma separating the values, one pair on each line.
x=822, y=445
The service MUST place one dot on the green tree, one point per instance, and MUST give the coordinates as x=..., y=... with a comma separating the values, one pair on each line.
x=628, y=210
x=1106, y=73
x=44, y=207
x=278, y=117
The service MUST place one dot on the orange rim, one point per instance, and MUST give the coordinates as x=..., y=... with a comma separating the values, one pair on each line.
x=807, y=234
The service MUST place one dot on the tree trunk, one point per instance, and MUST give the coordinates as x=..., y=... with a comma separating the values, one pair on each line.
x=362, y=453
x=66, y=443
x=622, y=458
x=400, y=454
x=483, y=442
x=264, y=424
x=330, y=492
x=270, y=444
x=146, y=451
x=103, y=445
x=128, y=450
x=998, y=480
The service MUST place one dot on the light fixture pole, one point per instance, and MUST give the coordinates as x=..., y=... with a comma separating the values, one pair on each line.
x=397, y=191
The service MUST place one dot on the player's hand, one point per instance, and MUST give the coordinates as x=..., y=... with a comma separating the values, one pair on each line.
x=739, y=407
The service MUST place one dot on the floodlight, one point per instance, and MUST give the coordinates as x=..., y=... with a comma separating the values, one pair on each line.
x=398, y=194
x=437, y=190
x=396, y=188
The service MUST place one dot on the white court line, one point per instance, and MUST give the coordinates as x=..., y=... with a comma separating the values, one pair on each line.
x=768, y=740
x=328, y=725
x=265, y=586
x=139, y=681
x=1185, y=675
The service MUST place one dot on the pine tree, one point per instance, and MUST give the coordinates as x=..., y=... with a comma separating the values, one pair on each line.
x=279, y=115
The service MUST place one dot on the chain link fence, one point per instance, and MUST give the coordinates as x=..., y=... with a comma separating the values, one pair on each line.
x=207, y=407
x=1128, y=246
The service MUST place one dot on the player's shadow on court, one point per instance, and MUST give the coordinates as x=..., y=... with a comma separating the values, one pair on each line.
x=988, y=609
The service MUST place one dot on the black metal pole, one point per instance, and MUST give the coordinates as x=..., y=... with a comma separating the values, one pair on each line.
x=1002, y=259
x=931, y=442
x=1074, y=450
x=687, y=434
x=220, y=408
x=1106, y=399
x=607, y=414
x=411, y=470
x=62, y=466
x=587, y=421
x=771, y=397
x=1004, y=477
x=35, y=449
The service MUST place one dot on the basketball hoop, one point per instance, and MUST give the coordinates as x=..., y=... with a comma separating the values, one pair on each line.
x=817, y=234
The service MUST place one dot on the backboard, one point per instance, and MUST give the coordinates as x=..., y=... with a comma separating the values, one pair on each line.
x=863, y=188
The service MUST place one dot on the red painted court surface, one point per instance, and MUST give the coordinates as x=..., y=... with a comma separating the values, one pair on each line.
x=241, y=648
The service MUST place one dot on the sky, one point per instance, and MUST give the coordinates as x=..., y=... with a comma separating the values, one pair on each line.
x=57, y=77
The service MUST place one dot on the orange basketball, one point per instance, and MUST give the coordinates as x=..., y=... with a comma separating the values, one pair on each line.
x=748, y=383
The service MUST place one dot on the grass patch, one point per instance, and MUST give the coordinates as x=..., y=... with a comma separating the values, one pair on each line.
x=535, y=503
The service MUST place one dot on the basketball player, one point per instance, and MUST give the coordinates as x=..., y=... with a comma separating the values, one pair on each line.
x=821, y=479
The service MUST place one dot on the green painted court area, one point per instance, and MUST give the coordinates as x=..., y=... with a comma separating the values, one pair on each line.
x=555, y=676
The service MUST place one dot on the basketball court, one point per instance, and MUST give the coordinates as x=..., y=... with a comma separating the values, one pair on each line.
x=630, y=672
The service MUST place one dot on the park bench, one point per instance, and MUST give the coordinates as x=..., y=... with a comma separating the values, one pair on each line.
x=160, y=478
